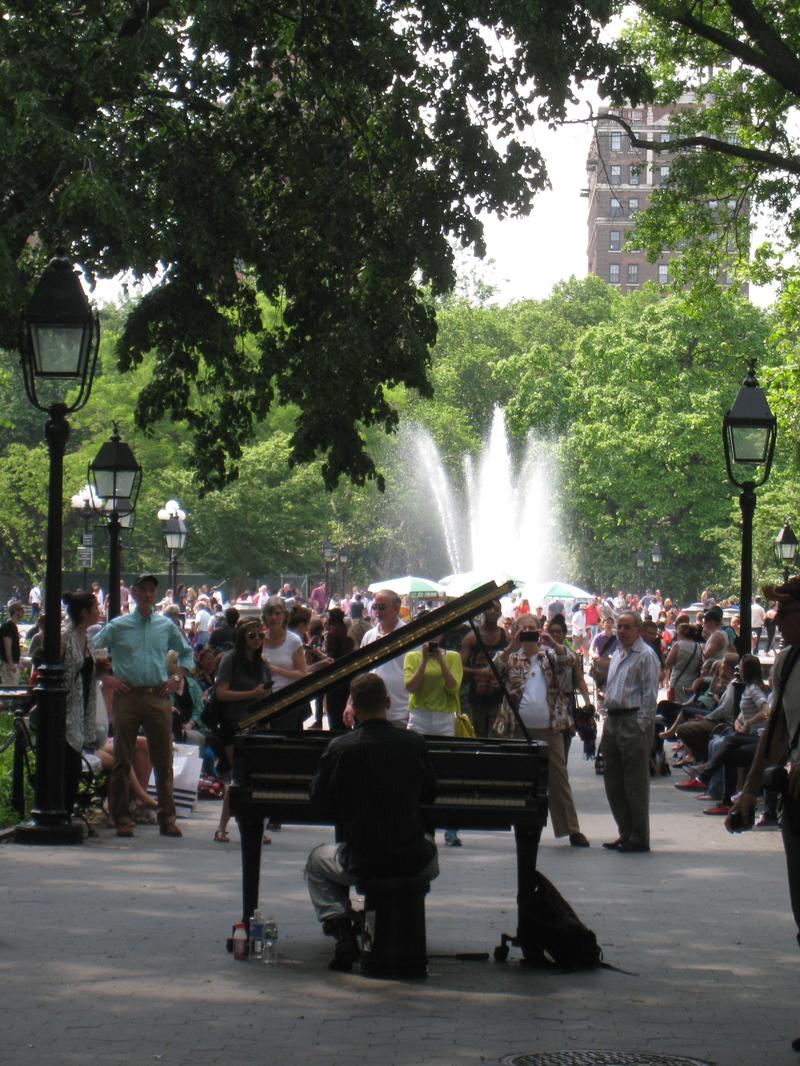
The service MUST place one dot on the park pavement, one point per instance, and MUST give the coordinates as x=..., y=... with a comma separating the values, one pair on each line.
x=113, y=952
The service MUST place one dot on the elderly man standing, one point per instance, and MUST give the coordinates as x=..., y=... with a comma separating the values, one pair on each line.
x=630, y=704
x=137, y=644
x=387, y=613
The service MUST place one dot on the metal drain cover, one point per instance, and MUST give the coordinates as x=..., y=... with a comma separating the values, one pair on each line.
x=602, y=1058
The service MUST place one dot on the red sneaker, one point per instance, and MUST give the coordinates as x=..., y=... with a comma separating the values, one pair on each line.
x=692, y=785
x=721, y=808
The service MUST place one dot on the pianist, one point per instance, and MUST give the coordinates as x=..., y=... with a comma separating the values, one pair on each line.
x=373, y=783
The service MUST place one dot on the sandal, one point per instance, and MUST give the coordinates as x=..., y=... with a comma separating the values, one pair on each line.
x=221, y=837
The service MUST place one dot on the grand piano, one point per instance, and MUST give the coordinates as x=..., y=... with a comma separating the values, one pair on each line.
x=482, y=784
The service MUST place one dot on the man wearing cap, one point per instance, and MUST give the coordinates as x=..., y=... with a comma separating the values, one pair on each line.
x=137, y=644
x=780, y=743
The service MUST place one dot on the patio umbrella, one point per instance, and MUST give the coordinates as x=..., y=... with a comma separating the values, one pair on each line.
x=408, y=586
x=455, y=585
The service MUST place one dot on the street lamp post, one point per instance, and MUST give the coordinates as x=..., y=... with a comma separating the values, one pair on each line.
x=115, y=477
x=749, y=431
x=785, y=549
x=176, y=537
x=83, y=506
x=329, y=556
x=343, y=560
x=59, y=339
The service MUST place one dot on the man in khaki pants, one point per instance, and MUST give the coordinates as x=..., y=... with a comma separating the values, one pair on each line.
x=630, y=705
x=138, y=644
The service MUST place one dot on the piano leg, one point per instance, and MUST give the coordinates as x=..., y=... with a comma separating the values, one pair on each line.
x=527, y=837
x=251, y=831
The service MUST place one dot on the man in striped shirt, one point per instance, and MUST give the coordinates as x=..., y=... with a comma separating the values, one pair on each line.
x=630, y=702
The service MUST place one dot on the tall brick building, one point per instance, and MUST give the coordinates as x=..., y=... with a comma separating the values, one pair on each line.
x=621, y=180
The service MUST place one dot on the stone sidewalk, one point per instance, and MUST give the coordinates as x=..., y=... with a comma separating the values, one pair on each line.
x=114, y=953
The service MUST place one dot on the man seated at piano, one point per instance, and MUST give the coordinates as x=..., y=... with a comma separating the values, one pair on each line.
x=532, y=666
x=373, y=782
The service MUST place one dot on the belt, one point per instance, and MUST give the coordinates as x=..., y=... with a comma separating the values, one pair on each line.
x=615, y=712
x=152, y=689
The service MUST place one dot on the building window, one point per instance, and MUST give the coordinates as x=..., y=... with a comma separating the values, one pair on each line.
x=713, y=205
x=616, y=142
x=663, y=273
x=633, y=273
x=732, y=204
x=614, y=240
x=664, y=137
x=633, y=205
x=616, y=175
x=616, y=207
x=613, y=273
x=634, y=175
x=663, y=174
x=636, y=116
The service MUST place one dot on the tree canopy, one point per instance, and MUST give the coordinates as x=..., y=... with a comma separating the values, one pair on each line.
x=294, y=173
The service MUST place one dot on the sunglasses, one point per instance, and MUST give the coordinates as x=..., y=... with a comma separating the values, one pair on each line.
x=255, y=635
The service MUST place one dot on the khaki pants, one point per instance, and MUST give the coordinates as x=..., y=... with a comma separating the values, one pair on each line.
x=560, y=803
x=626, y=748
x=141, y=707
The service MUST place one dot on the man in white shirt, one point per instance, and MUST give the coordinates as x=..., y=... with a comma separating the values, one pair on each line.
x=387, y=611
x=631, y=694
x=35, y=601
x=757, y=613
x=202, y=622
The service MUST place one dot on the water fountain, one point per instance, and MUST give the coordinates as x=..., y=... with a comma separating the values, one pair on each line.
x=510, y=525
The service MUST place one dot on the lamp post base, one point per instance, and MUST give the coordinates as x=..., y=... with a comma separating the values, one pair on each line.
x=33, y=832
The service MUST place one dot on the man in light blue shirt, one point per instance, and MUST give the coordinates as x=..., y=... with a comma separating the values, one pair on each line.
x=630, y=703
x=137, y=644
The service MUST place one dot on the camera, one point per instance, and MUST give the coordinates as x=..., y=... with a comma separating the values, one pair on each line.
x=529, y=636
x=775, y=779
x=433, y=647
x=737, y=822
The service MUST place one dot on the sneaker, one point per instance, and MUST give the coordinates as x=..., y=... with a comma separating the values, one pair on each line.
x=692, y=785
x=767, y=821
x=451, y=838
x=721, y=808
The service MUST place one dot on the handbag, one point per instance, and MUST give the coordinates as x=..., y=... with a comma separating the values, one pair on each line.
x=464, y=726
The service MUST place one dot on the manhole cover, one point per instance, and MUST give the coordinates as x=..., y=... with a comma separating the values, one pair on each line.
x=602, y=1058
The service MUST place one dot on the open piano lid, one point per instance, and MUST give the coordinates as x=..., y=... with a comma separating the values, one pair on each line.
x=380, y=651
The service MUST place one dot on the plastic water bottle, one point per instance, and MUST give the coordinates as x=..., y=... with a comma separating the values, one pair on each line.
x=257, y=935
x=270, y=941
x=240, y=942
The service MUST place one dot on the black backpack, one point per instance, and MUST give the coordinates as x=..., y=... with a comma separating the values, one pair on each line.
x=551, y=934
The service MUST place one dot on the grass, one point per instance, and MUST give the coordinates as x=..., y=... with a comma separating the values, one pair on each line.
x=8, y=816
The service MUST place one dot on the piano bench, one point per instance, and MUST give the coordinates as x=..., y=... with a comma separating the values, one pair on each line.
x=393, y=935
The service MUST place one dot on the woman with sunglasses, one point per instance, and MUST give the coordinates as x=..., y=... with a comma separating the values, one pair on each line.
x=242, y=677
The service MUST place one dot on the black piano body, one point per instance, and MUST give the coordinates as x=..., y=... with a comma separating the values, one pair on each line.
x=483, y=784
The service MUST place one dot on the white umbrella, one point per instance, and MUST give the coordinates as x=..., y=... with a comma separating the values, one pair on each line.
x=460, y=584
x=408, y=586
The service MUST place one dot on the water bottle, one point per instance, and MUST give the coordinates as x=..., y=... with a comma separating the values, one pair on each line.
x=257, y=935
x=240, y=942
x=270, y=941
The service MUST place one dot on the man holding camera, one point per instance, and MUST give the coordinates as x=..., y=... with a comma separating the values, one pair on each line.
x=531, y=667
x=779, y=747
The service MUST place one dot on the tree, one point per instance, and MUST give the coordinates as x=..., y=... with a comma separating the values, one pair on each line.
x=644, y=460
x=293, y=174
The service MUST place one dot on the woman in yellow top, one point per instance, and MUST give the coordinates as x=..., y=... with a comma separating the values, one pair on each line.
x=433, y=677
